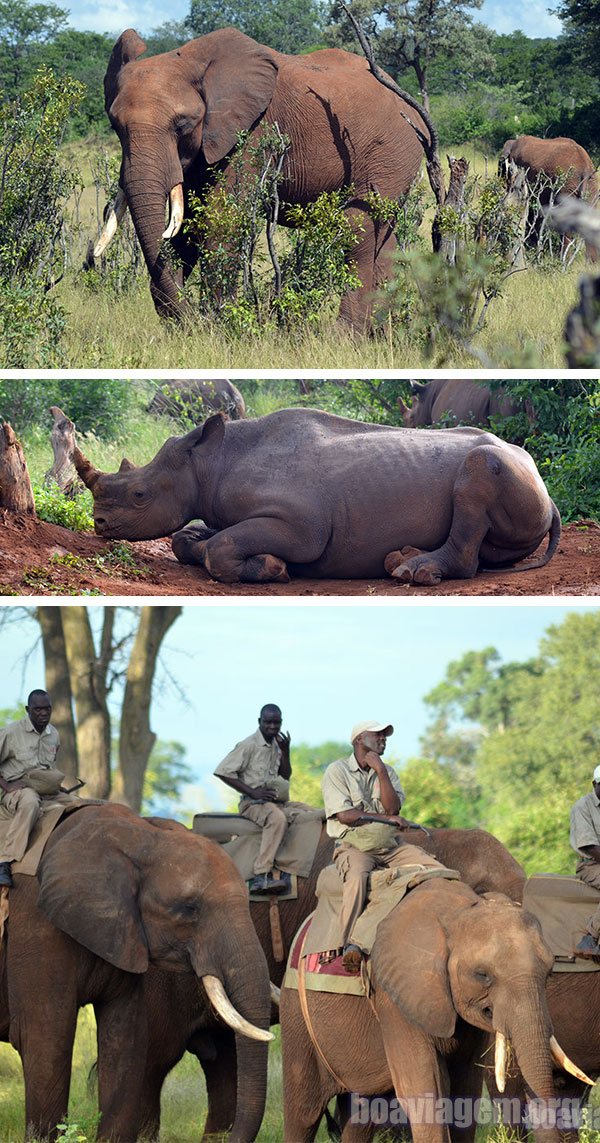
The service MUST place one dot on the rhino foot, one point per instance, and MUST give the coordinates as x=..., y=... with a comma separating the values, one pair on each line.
x=410, y=565
x=266, y=568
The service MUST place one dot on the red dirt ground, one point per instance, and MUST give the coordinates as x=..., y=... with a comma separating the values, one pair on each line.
x=44, y=559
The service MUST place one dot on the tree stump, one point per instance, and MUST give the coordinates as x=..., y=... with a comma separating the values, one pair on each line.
x=582, y=329
x=62, y=438
x=16, y=493
x=447, y=229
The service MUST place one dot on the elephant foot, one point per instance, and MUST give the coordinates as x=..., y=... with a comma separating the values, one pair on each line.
x=410, y=565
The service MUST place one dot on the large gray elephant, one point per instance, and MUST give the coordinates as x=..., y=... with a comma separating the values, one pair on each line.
x=180, y=113
x=550, y=166
x=330, y=497
x=118, y=898
x=449, y=969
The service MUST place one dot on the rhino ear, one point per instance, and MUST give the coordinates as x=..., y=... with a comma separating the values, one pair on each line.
x=211, y=431
x=127, y=465
x=418, y=387
x=89, y=886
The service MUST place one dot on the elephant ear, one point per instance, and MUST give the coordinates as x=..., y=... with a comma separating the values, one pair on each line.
x=237, y=87
x=410, y=962
x=127, y=48
x=89, y=888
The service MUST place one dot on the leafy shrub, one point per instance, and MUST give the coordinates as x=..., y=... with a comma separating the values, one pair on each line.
x=95, y=405
x=34, y=186
x=121, y=269
x=74, y=513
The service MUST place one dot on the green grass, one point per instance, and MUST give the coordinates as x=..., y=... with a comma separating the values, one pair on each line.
x=525, y=326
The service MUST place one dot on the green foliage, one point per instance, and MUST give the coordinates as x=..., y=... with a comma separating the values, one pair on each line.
x=232, y=281
x=166, y=774
x=435, y=797
x=24, y=26
x=96, y=405
x=535, y=730
x=74, y=513
x=120, y=269
x=290, y=26
x=308, y=766
x=35, y=186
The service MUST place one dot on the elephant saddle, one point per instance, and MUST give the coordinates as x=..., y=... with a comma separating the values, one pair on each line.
x=241, y=838
x=563, y=906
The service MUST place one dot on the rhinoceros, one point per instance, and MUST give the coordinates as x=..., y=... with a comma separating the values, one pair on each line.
x=467, y=402
x=194, y=399
x=324, y=496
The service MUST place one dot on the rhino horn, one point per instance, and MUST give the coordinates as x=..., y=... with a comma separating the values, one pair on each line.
x=127, y=465
x=85, y=469
x=404, y=409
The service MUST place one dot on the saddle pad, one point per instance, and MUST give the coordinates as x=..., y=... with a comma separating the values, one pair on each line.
x=563, y=906
x=324, y=972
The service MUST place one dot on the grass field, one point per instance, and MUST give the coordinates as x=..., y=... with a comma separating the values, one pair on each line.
x=524, y=327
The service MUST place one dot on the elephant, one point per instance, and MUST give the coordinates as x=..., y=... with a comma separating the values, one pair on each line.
x=483, y=862
x=466, y=402
x=330, y=497
x=115, y=899
x=448, y=969
x=195, y=400
x=551, y=166
x=178, y=117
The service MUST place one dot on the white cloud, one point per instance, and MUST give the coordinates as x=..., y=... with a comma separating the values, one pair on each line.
x=117, y=15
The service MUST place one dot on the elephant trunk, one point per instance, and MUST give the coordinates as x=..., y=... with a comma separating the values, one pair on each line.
x=242, y=968
x=150, y=174
x=530, y=1038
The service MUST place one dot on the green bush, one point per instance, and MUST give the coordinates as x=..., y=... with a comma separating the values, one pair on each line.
x=74, y=513
x=95, y=405
x=35, y=185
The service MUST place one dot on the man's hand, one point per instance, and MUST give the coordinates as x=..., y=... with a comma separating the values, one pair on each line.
x=369, y=757
x=283, y=741
x=265, y=793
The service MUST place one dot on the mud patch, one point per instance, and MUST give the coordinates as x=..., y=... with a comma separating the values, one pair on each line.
x=43, y=559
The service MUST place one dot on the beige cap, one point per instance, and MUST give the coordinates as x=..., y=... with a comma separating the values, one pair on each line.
x=361, y=727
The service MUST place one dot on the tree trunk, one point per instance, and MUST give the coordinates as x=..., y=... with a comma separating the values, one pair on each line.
x=88, y=684
x=62, y=439
x=136, y=738
x=16, y=493
x=58, y=686
x=448, y=225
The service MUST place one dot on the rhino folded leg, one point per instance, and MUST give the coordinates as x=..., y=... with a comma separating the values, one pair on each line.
x=499, y=504
x=188, y=543
x=240, y=554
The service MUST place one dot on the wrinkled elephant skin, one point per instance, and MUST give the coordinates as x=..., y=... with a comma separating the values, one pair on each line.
x=328, y=497
x=179, y=113
x=448, y=969
x=116, y=898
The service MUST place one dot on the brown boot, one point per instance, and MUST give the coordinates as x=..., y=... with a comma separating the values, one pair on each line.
x=352, y=959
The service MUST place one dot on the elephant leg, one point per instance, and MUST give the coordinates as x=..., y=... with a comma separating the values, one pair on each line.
x=498, y=516
x=186, y=543
x=466, y=1082
x=307, y=1088
x=419, y=1075
x=220, y=1072
x=239, y=554
x=122, y=1047
x=357, y=305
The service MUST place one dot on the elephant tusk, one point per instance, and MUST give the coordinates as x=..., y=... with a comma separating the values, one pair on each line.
x=275, y=994
x=564, y=1062
x=222, y=1004
x=114, y=217
x=500, y=1060
x=176, y=211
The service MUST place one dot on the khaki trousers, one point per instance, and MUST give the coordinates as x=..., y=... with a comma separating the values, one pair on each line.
x=24, y=808
x=354, y=866
x=589, y=871
x=273, y=819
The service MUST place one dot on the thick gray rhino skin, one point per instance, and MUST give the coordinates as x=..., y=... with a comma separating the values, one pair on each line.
x=468, y=402
x=330, y=497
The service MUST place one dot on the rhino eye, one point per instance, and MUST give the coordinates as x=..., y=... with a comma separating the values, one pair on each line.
x=139, y=494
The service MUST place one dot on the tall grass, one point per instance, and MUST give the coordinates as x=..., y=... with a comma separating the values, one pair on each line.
x=524, y=328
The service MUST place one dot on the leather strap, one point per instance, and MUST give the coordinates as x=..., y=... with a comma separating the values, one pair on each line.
x=276, y=936
x=306, y=1014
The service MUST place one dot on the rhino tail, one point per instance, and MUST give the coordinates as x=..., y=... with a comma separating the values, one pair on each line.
x=554, y=534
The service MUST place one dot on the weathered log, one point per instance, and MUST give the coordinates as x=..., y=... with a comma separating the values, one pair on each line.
x=62, y=438
x=582, y=328
x=447, y=229
x=16, y=493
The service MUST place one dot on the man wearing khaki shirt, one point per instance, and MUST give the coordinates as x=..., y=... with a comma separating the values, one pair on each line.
x=259, y=769
x=31, y=743
x=585, y=840
x=362, y=797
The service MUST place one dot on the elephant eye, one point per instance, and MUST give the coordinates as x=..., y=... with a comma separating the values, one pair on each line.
x=482, y=976
x=189, y=908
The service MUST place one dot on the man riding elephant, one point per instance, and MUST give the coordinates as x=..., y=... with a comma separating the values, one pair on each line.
x=585, y=840
x=259, y=769
x=362, y=797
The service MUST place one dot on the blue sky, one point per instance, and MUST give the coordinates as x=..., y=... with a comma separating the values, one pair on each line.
x=327, y=664
x=531, y=16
